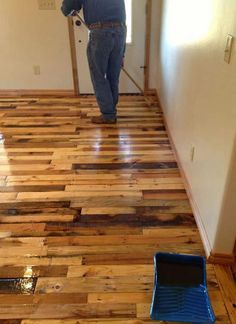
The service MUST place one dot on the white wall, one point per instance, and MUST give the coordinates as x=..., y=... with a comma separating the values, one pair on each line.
x=28, y=37
x=197, y=90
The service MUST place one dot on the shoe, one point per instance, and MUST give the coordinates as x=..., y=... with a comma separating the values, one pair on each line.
x=102, y=120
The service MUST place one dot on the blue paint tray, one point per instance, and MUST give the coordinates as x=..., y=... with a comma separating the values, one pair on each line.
x=180, y=291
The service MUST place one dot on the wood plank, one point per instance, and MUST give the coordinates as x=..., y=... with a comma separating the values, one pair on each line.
x=85, y=311
x=54, y=195
x=108, y=211
x=162, y=236
x=94, y=284
x=17, y=286
x=105, y=271
x=33, y=271
x=52, y=299
x=191, y=248
x=129, y=187
x=103, y=298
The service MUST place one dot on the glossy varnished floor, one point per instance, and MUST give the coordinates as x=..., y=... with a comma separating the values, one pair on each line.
x=85, y=208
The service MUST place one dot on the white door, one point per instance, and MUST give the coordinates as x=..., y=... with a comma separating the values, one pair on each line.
x=135, y=50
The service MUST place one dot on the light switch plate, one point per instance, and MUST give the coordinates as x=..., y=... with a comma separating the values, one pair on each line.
x=228, y=48
x=47, y=4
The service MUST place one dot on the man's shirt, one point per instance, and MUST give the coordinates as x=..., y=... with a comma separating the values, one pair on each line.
x=97, y=10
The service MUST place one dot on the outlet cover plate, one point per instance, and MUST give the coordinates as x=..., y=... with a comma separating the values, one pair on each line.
x=47, y=4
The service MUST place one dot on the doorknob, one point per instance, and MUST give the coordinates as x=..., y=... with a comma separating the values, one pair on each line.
x=143, y=67
x=78, y=23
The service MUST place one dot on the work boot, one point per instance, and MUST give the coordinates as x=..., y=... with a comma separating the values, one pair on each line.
x=102, y=120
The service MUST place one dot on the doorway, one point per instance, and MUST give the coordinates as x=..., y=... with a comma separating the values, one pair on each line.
x=135, y=50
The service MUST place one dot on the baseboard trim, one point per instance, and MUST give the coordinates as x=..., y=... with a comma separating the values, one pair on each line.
x=221, y=258
x=27, y=92
x=151, y=92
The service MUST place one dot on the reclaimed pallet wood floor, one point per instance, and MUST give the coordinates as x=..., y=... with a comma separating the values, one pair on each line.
x=84, y=208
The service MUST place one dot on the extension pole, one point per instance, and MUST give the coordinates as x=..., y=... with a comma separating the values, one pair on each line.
x=148, y=100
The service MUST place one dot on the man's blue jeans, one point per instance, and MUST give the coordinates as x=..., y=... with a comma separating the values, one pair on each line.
x=105, y=55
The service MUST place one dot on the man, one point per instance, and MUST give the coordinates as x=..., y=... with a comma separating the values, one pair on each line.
x=106, y=21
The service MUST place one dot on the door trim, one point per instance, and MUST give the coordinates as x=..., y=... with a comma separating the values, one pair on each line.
x=148, y=45
x=73, y=56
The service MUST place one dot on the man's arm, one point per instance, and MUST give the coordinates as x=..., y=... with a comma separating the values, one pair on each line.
x=69, y=5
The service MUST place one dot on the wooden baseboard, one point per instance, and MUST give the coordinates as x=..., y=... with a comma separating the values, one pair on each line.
x=151, y=92
x=220, y=258
x=25, y=92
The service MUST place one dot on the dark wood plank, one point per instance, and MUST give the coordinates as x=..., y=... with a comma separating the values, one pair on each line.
x=18, y=286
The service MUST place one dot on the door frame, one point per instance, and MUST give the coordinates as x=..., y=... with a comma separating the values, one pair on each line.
x=74, y=65
x=148, y=45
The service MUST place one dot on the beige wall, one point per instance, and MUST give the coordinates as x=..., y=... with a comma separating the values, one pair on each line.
x=28, y=37
x=198, y=94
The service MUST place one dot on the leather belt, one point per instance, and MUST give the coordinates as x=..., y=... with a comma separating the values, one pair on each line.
x=101, y=25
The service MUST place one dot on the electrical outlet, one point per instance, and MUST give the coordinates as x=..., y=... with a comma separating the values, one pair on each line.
x=192, y=154
x=37, y=70
x=47, y=4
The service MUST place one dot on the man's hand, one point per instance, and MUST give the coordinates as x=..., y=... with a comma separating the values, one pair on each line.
x=71, y=7
x=123, y=62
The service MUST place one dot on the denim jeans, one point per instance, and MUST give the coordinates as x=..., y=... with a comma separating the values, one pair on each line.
x=105, y=55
